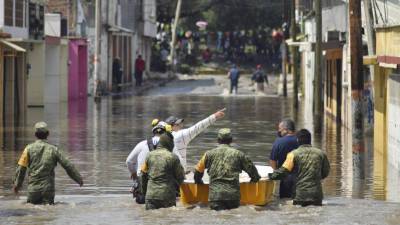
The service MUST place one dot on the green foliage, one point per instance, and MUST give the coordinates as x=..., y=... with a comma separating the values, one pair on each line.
x=227, y=15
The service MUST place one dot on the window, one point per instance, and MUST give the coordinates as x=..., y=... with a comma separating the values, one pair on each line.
x=19, y=13
x=8, y=12
x=14, y=13
x=140, y=10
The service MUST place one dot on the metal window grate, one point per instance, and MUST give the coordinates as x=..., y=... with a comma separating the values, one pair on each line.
x=8, y=12
x=19, y=13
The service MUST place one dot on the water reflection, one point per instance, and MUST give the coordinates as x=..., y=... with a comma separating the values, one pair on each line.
x=98, y=137
x=332, y=144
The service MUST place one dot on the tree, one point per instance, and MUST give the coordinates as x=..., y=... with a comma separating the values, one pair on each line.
x=225, y=14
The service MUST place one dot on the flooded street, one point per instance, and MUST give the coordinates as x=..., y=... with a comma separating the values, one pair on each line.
x=99, y=137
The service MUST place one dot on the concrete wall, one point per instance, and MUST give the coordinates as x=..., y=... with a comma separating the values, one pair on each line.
x=52, y=74
x=16, y=32
x=150, y=23
x=64, y=70
x=335, y=18
x=103, y=59
x=393, y=138
x=128, y=14
x=36, y=59
x=309, y=66
x=1, y=14
x=56, y=73
x=112, y=9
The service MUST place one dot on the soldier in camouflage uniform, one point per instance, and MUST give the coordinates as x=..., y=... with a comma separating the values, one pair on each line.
x=310, y=166
x=224, y=164
x=162, y=174
x=41, y=158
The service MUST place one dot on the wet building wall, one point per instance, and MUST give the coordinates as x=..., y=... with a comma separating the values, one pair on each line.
x=56, y=72
x=393, y=137
x=386, y=110
x=36, y=72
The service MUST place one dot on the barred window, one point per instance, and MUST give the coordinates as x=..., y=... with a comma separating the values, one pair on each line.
x=19, y=13
x=8, y=12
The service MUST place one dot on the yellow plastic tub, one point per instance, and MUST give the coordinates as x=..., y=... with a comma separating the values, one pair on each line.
x=260, y=193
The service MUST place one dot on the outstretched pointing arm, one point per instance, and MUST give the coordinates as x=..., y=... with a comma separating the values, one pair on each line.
x=190, y=133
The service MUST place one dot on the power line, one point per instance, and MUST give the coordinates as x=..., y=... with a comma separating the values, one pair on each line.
x=385, y=10
x=374, y=10
x=379, y=10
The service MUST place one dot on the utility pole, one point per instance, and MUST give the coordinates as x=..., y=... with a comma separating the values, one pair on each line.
x=177, y=14
x=283, y=47
x=96, y=72
x=293, y=34
x=318, y=99
x=284, y=62
x=357, y=86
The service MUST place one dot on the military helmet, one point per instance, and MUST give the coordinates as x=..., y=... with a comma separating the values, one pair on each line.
x=224, y=134
x=166, y=141
x=41, y=127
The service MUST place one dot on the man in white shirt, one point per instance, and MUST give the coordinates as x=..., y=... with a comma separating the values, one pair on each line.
x=138, y=156
x=182, y=137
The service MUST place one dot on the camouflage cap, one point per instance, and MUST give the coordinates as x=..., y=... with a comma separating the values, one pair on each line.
x=224, y=133
x=41, y=126
x=166, y=141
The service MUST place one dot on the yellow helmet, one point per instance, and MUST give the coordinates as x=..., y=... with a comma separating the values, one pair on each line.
x=154, y=122
x=161, y=127
x=168, y=128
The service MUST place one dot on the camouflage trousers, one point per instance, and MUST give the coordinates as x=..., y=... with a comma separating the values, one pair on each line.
x=157, y=204
x=224, y=205
x=37, y=198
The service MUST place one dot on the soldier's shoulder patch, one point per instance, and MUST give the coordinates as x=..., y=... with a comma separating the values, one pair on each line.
x=24, y=159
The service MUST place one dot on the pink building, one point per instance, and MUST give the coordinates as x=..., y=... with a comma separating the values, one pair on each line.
x=78, y=70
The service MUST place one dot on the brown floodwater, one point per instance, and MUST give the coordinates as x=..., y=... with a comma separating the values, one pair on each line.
x=98, y=138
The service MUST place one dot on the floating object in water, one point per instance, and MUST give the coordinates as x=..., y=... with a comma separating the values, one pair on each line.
x=259, y=193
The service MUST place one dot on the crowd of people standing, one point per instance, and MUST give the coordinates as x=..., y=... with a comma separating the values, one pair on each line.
x=261, y=46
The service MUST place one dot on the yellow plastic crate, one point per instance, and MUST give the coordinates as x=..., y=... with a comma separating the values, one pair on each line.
x=260, y=193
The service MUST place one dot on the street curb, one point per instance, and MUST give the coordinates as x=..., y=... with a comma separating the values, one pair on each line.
x=134, y=91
